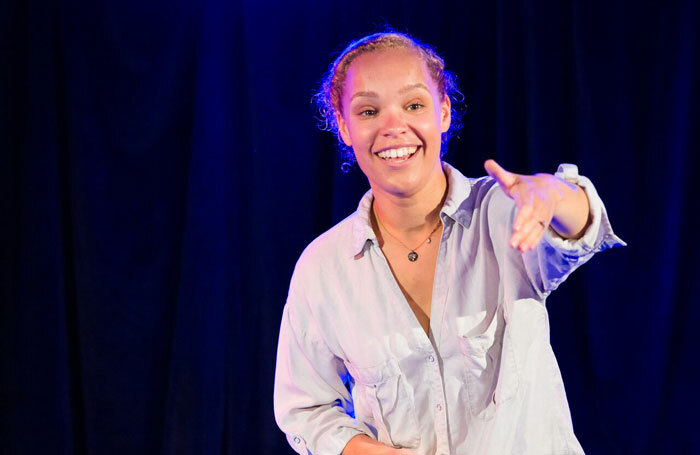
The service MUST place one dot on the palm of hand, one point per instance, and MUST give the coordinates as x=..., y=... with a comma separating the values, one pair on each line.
x=536, y=197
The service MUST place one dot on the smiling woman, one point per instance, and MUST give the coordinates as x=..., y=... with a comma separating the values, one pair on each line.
x=417, y=324
x=329, y=97
x=390, y=103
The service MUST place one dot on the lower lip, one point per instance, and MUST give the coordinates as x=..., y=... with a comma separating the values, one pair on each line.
x=398, y=163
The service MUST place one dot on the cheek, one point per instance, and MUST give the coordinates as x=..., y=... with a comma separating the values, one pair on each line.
x=362, y=135
x=430, y=128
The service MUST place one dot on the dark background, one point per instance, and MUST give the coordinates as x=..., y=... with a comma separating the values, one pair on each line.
x=161, y=171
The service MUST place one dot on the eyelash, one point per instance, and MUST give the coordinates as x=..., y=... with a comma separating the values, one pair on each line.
x=372, y=112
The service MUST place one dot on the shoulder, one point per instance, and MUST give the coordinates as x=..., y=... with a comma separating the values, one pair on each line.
x=484, y=187
x=489, y=198
x=321, y=272
x=493, y=210
x=469, y=192
x=326, y=250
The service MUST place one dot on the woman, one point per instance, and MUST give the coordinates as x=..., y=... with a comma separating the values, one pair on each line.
x=417, y=324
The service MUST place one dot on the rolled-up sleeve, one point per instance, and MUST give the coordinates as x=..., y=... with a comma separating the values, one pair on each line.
x=555, y=258
x=310, y=396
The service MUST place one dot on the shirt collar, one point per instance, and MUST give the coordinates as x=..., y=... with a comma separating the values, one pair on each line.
x=361, y=227
x=458, y=206
x=458, y=203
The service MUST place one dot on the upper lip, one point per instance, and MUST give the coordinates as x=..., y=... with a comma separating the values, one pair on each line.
x=397, y=146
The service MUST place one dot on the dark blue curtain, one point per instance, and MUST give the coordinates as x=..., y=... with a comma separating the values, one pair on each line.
x=161, y=171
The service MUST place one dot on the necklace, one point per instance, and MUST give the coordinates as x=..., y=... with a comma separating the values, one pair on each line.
x=412, y=255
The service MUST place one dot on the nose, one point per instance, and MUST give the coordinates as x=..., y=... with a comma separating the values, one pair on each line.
x=394, y=124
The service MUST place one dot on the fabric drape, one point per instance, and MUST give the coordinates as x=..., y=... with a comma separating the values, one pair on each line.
x=161, y=170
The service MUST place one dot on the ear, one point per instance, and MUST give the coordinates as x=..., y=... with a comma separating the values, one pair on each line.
x=445, y=114
x=343, y=129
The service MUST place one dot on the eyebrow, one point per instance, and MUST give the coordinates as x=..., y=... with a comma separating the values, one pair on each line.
x=365, y=94
x=407, y=88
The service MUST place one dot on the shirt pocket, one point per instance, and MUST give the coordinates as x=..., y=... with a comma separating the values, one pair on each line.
x=490, y=368
x=389, y=397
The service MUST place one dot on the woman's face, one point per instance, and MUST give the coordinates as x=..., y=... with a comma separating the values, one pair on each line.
x=393, y=116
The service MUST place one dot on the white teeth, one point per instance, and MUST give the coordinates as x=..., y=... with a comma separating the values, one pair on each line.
x=397, y=153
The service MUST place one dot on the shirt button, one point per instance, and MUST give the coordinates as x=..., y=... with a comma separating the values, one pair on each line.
x=431, y=358
x=439, y=407
x=297, y=440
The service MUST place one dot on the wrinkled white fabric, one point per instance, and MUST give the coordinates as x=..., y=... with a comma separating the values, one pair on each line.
x=352, y=357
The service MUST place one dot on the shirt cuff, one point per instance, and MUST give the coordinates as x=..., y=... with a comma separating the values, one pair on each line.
x=598, y=236
x=298, y=444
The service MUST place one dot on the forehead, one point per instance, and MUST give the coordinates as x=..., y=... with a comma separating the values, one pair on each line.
x=386, y=71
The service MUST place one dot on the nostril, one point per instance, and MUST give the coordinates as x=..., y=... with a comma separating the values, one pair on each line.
x=394, y=132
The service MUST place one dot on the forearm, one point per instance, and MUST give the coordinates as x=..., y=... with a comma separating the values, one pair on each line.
x=364, y=445
x=572, y=213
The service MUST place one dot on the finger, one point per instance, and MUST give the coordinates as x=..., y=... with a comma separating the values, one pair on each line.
x=504, y=178
x=525, y=213
x=534, y=238
x=519, y=237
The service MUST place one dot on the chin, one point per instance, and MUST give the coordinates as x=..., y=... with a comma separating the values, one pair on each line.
x=403, y=185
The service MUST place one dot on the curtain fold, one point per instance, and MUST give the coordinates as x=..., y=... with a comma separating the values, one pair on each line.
x=161, y=171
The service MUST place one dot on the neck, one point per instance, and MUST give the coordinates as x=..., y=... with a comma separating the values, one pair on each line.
x=412, y=216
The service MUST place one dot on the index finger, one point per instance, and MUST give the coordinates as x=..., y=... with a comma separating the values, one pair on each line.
x=504, y=178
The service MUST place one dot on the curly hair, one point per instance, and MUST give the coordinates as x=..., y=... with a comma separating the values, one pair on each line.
x=328, y=98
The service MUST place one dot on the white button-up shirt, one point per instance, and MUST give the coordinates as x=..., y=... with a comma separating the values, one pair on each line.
x=352, y=357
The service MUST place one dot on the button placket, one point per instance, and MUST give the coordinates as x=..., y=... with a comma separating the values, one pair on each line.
x=437, y=312
x=438, y=397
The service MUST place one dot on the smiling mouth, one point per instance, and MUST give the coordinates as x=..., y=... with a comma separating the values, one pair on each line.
x=398, y=154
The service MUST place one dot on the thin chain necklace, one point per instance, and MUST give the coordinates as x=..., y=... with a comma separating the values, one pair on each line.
x=412, y=255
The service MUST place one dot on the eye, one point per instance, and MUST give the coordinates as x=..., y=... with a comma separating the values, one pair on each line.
x=367, y=113
x=414, y=106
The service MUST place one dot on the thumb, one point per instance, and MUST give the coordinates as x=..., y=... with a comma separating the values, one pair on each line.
x=504, y=178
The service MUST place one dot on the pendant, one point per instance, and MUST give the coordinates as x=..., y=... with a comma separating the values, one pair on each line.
x=412, y=256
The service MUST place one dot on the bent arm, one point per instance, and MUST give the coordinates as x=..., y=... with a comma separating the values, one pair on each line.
x=579, y=230
x=560, y=254
x=310, y=397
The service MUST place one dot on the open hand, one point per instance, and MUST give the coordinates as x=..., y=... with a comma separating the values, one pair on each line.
x=536, y=197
